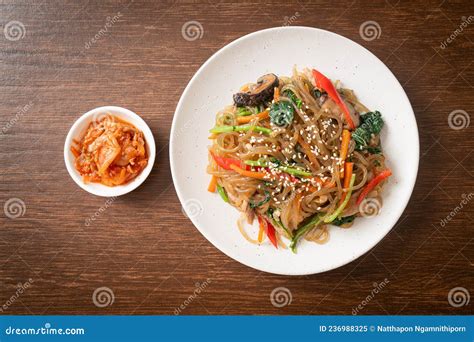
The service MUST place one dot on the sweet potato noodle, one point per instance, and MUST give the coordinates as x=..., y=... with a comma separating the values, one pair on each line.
x=112, y=152
x=298, y=153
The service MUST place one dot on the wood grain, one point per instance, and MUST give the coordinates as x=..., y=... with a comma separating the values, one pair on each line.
x=141, y=246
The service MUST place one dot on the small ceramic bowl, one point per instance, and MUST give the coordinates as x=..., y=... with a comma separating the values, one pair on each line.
x=78, y=130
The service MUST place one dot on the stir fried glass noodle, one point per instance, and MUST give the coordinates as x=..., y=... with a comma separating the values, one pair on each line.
x=298, y=154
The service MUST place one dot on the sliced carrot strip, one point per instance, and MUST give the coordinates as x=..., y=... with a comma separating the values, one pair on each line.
x=346, y=139
x=276, y=94
x=297, y=200
x=246, y=119
x=251, y=174
x=212, y=184
x=347, y=178
x=308, y=152
x=261, y=230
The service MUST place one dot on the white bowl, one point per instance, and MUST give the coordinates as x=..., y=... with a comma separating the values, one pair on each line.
x=78, y=130
x=277, y=50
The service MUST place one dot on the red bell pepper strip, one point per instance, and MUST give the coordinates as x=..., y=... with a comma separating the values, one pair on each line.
x=325, y=83
x=225, y=163
x=270, y=232
x=373, y=183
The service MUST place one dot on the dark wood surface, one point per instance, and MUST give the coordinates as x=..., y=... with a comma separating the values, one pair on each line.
x=142, y=247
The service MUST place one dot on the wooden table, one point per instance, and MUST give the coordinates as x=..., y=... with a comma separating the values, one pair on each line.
x=61, y=59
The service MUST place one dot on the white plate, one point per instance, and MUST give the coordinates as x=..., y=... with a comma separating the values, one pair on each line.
x=78, y=130
x=277, y=50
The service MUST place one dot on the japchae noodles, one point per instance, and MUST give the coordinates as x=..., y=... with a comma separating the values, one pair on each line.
x=298, y=153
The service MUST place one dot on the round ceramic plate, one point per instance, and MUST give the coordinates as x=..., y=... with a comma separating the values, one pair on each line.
x=277, y=50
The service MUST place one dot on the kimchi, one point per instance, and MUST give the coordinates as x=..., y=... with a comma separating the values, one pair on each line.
x=112, y=152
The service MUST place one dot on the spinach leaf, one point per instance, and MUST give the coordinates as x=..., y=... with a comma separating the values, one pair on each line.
x=291, y=95
x=343, y=220
x=371, y=123
x=318, y=93
x=282, y=113
x=374, y=150
x=262, y=202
